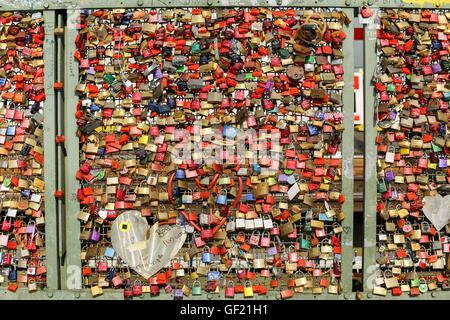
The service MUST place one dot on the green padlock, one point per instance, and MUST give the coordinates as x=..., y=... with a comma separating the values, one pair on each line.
x=310, y=59
x=304, y=243
x=224, y=180
x=101, y=175
x=390, y=87
x=284, y=53
x=196, y=288
x=271, y=181
x=423, y=287
x=436, y=148
x=7, y=182
x=249, y=76
x=415, y=282
x=180, y=69
x=308, y=226
x=382, y=187
x=195, y=48
x=109, y=78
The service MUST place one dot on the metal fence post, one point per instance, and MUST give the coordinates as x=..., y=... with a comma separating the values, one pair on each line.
x=370, y=160
x=73, y=268
x=50, y=163
x=347, y=157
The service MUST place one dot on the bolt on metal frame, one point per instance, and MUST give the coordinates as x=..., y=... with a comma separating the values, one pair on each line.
x=63, y=247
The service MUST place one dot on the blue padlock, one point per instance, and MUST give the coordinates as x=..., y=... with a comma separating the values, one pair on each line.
x=213, y=275
x=323, y=217
x=110, y=275
x=230, y=132
x=164, y=109
x=109, y=252
x=176, y=192
x=179, y=174
x=442, y=128
x=11, y=131
x=446, y=95
x=319, y=115
x=204, y=59
x=101, y=151
x=153, y=106
x=436, y=44
x=250, y=197
x=222, y=198
x=206, y=255
x=94, y=107
x=256, y=167
x=26, y=193
x=12, y=275
x=312, y=130
x=2, y=81
x=25, y=150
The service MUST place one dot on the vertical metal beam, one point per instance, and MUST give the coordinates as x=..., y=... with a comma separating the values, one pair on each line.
x=73, y=268
x=370, y=159
x=50, y=153
x=61, y=161
x=347, y=157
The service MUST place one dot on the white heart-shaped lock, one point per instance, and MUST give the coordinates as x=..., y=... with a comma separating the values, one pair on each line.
x=437, y=210
x=146, y=251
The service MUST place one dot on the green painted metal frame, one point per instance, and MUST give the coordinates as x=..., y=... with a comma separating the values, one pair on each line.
x=50, y=163
x=370, y=161
x=73, y=268
x=347, y=158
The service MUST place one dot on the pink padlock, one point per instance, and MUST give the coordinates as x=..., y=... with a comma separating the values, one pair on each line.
x=293, y=256
x=254, y=238
x=265, y=239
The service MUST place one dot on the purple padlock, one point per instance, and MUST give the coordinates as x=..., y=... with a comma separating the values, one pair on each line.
x=442, y=163
x=94, y=235
x=157, y=74
x=389, y=176
x=282, y=178
x=31, y=228
x=436, y=68
x=91, y=70
x=392, y=115
x=177, y=294
x=394, y=194
x=272, y=251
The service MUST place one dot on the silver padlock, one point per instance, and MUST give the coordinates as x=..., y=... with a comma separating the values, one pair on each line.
x=249, y=224
x=240, y=223
x=258, y=223
x=267, y=221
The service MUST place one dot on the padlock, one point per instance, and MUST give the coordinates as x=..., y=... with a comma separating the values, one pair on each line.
x=206, y=255
x=196, y=288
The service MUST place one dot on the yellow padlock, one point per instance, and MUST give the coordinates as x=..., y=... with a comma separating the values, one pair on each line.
x=404, y=151
x=96, y=291
x=432, y=165
x=248, y=289
x=143, y=139
x=194, y=275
